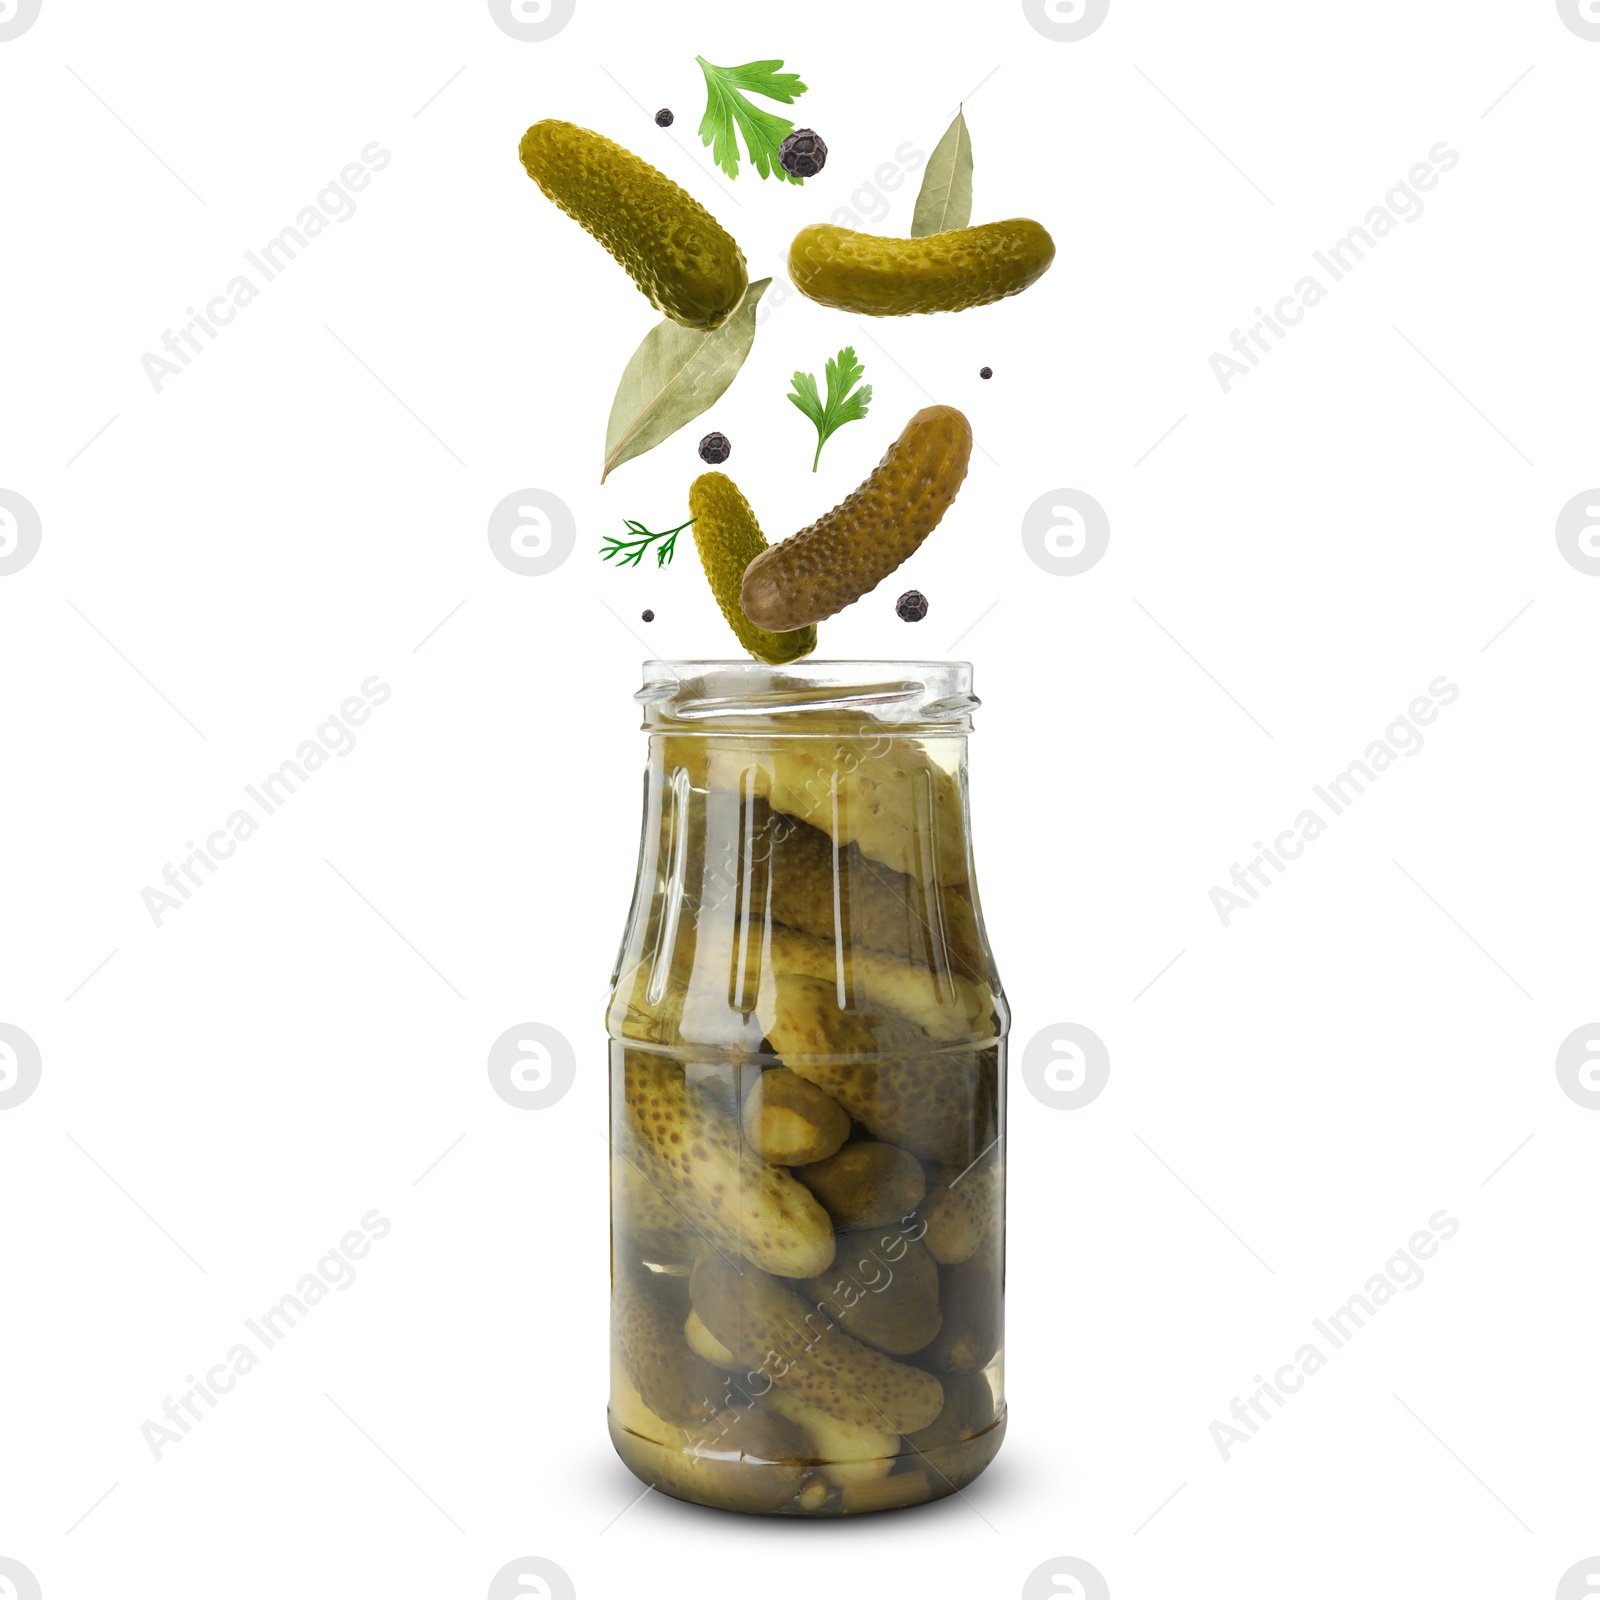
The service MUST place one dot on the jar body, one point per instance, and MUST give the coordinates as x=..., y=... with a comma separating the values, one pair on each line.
x=807, y=1100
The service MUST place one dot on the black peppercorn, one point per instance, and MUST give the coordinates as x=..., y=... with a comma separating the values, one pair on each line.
x=647, y=616
x=803, y=154
x=663, y=118
x=986, y=372
x=912, y=606
x=715, y=448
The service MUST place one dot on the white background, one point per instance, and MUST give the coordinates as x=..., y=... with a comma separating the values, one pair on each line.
x=1289, y=567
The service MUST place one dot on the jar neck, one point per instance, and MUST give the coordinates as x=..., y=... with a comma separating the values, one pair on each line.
x=807, y=698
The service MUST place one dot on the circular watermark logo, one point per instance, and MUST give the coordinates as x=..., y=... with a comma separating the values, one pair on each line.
x=531, y=1578
x=20, y=1070
x=1583, y=17
x=20, y=528
x=531, y=532
x=1066, y=21
x=16, y=17
x=1581, y=1582
x=1065, y=1066
x=15, y=1579
x=1578, y=1067
x=1065, y=532
x=532, y=20
x=1065, y=1578
x=1578, y=532
x=531, y=1066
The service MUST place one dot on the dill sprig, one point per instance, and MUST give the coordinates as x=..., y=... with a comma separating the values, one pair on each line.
x=632, y=549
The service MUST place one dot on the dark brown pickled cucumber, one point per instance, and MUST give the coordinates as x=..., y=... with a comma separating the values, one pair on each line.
x=784, y=1339
x=851, y=550
x=687, y=267
x=729, y=539
x=876, y=276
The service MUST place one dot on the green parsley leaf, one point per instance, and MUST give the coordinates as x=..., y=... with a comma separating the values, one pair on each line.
x=763, y=132
x=842, y=406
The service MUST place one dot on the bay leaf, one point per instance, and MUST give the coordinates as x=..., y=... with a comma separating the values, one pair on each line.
x=945, y=199
x=675, y=375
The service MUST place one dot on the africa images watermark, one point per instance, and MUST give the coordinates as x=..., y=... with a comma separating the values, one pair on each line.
x=335, y=1271
x=1402, y=204
x=334, y=203
x=1402, y=737
x=1402, y=1270
x=334, y=737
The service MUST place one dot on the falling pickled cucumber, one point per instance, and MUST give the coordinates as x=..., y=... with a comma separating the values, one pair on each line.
x=728, y=538
x=687, y=267
x=851, y=550
x=875, y=276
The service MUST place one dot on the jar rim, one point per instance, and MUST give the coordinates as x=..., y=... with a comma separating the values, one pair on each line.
x=721, y=696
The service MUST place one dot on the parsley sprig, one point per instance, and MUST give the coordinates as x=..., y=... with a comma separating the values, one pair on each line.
x=632, y=549
x=841, y=406
x=726, y=106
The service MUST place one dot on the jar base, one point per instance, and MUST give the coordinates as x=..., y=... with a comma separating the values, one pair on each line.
x=791, y=1488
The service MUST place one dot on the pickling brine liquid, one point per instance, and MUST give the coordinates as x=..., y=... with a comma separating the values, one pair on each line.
x=807, y=1098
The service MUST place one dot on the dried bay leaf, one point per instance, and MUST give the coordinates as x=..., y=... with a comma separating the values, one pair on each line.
x=676, y=374
x=945, y=199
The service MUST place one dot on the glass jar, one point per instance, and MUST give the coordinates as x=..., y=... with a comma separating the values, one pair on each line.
x=807, y=1096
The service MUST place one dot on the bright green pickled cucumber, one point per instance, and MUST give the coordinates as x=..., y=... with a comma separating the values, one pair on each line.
x=688, y=268
x=728, y=538
x=880, y=277
x=849, y=552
